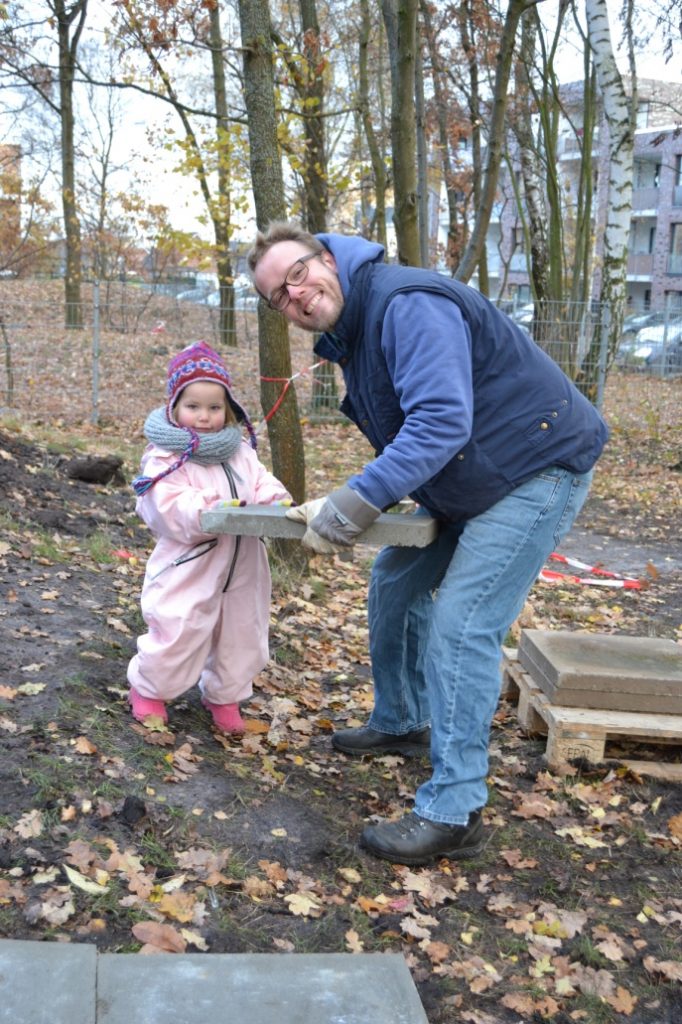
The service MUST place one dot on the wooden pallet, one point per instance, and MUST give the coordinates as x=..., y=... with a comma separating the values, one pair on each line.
x=583, y=732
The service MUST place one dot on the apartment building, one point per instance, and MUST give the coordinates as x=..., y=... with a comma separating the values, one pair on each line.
x=654, y=271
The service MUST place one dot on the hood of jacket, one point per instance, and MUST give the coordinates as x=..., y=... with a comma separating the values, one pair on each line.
x=350, y=252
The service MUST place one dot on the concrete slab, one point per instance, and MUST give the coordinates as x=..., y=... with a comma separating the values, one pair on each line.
x=47, y=982
x=401, y=530
x=261, y=988
x=619, y=673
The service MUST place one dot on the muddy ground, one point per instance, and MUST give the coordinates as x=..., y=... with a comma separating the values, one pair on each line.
x=572, y=913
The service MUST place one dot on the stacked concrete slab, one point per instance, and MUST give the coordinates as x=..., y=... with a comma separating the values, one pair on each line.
x=618, y=673
x=63, y=983
x=399, y=529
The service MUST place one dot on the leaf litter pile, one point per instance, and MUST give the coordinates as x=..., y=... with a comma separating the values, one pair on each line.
x=176, y=840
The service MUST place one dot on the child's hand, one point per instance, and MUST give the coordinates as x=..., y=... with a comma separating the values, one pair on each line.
x=231, y=503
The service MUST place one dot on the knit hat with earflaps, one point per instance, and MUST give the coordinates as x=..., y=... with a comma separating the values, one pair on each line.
x=200, y=362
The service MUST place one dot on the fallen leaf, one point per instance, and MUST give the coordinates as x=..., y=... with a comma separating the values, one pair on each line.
x=178, y=905
x=30, y=689
x=670, y=969
x=82, y=745
x=675, y=826
x=29, y=824
x=623, y=1001
x=254, y=726
x=81, y=882
x=194, y=939
x=304, y=904
x=350, y=874
x=159, y=938
x=353, y=941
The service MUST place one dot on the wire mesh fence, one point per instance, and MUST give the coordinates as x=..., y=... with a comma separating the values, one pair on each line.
x=114, y=367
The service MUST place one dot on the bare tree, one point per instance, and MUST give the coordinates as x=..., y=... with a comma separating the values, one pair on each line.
x=268, y=192
x=620, y=113
x=143, y=29
x=18, y=43
x=451, y=128
x=496, y=132
x=400, y=18
x=376, y=154
x=70, y=21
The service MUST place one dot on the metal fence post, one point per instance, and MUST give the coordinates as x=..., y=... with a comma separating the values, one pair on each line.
x=95, y=353
x=604, y=330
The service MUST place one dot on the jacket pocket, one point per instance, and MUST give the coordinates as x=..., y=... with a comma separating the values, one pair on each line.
x=202, y=548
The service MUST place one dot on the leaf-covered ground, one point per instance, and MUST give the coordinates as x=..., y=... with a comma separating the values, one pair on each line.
x=183, y=840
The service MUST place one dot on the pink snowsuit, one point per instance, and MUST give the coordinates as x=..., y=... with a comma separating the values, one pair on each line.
x=205, y=599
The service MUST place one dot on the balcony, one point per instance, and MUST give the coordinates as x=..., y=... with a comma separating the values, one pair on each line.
x=570, y=147
x=640, y=264
x=518, y=264
x=645, y=198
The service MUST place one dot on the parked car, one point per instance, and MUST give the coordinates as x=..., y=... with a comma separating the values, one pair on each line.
x=635, y=322
x=244, y=298
x=523, y=315
x=639, y=331
x=658, y=349
x=198, y=294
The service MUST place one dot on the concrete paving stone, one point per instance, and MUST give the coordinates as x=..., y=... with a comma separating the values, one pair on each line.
x=258, y=988
x=47, y=982
x=401, y=530
x=592, y=670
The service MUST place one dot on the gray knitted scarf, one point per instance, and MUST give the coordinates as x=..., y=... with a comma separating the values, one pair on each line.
x=206, y=449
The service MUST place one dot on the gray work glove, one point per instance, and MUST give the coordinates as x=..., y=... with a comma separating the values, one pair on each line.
x=344, y=516
x=305, y=513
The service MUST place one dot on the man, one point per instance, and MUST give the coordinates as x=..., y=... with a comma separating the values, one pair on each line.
x=485, y=432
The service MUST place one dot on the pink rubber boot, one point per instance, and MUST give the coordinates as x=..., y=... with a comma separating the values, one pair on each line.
x=226, y=717
x=144, y=707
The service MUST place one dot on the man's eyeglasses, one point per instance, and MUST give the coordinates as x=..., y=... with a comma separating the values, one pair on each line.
x=296, y=274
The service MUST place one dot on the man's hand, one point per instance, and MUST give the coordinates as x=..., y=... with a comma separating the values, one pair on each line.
x=305, y=513
x=343, y=517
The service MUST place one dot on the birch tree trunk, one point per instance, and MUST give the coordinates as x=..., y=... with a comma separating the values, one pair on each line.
x=284, y=429
x=619, y=112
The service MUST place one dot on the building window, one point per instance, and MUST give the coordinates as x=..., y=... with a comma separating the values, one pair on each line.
x=643, y=114
x=675, y=258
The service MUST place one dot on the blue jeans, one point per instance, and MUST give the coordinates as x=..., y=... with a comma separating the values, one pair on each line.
x=438, y=617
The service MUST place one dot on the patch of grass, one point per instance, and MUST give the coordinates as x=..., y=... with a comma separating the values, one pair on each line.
x=98, y=547
x=8, y=524
x=595, y=1010
x=585, y=950
x=156, y=852
x=47, y=547
x=53, y=779
x=286, y=654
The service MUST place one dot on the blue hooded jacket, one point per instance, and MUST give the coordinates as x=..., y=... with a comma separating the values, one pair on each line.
x=460, y=405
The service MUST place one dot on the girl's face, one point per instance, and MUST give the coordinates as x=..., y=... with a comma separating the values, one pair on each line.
x=202, y=406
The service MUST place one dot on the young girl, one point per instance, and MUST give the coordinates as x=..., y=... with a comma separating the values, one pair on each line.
x=205, y=599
